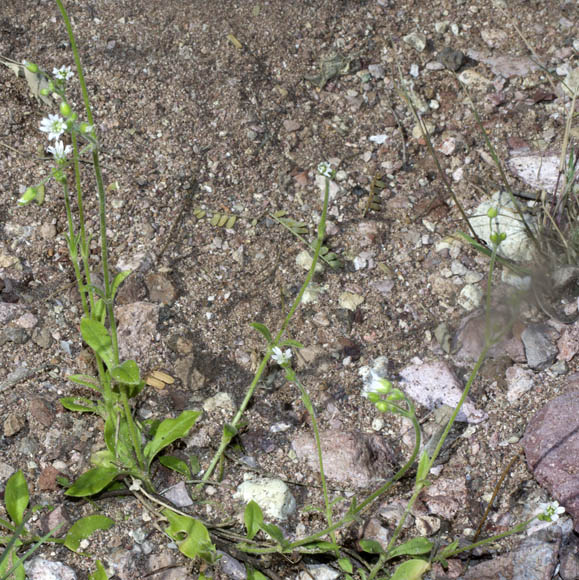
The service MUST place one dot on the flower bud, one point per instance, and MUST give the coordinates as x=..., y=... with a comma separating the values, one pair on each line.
x=28, y=196
x=44, y=92
x=492, y=212
x=65, y=109
x=32, y=67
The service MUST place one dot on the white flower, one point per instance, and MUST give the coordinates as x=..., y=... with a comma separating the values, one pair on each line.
x=326, y=170
x=280, y=357
x=63, y=73
x=54, y=125
x=551, y=511
x=59, y=151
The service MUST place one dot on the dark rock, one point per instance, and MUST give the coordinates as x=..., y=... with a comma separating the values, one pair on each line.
x=551, y=444
x=535, y=559
x=451, y=59
x=539, y=348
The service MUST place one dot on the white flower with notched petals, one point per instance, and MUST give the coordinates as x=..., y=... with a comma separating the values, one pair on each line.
x=54, y=125
x=326, y=170
x=64, y=73
x=551, y=511
x=280, y=357
x=59, y=151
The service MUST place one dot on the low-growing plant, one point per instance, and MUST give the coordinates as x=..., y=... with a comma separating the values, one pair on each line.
x=133, y=446
x=19, y=538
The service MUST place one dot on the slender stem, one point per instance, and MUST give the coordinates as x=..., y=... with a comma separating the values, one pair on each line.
x=84, y=249
x=73, y=247
x=224, y=441
x=99, y=181
x=310, y=408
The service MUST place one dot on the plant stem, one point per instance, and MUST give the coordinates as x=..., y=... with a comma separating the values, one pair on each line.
x=99, y=181
x=224, y=441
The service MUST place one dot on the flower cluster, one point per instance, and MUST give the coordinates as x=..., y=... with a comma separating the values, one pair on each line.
x=551, y=511
x=325, y=169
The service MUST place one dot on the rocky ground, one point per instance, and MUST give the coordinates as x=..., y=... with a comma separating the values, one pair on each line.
x=212, y=109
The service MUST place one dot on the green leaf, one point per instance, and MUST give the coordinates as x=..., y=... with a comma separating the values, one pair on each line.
x=92, y=481
x=413, y=547
x=371, y=546
x=84, y=528
x=102, y=458
x=100, y=573
x=253, y=518
x=191, y=536
x=98, y=338
x=119, y=279
x=291, y=342
x=264, y=330
x=411, y=570
x=127, y=373
x=254, y=574
x=423, y=467
x=275, y=534
x=16, y=497
x=72, y=404
x=320, y=546
x=345, y=565
x=168, y=431
x=176, y=464
x=86, y=381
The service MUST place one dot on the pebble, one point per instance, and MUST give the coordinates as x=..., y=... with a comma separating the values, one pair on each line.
x=415, y=40
x=350, y=300
x=272, y=495
x=519, y=381
x=452, y=59
x=539, y=348
x=41, y=569
x=471, y=297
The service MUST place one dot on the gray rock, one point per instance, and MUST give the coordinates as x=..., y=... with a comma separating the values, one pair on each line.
x=539, y=348
x=349, y=456
x=569, y=558
x=534, y=559
x=179, y=495
x=433, y=384
x=551, y=444
x=40, y=569
x=230, y=567
x=451, y=59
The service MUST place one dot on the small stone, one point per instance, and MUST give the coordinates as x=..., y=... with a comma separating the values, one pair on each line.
x=291, y=126
x=219, y=401
x=376, y=70
x=471, y=297
x=136, y=327
x=272, y=495
x=451, y=59
x=473, y=79
x=12, y=425
x=539, y=348
x=305, y=260
x=41, y=412
x=442, y=27
x=41, y=569
x=519, y=381
x=350, y=300
x=417, y=130
x=47, y=479
x=161, y=289
x=179, y=495
x=416, y=40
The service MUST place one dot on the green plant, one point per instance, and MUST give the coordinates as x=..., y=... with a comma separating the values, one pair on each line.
x=16, y=501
